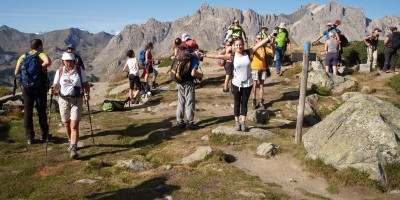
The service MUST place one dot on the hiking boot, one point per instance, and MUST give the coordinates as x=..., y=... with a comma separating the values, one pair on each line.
x=180, y=125
x=153, y=85
x=254, y=104
x=74, y=152
x=243, y=126
x=237, y=126
x=192, y=126
x=226, y=91
x=46, y=138
x=261, y=104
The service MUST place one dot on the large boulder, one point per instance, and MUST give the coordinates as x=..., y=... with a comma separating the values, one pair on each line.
x=332, y=83
x=363, y=133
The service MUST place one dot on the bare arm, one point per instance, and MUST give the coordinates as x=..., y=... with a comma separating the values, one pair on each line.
x=366, y=40
x=319, y=37
x=326, y=46
x=86, y=86
x=125, y=69
x=258, y=45
x=46, y=61
x=216, y=56
x=196, y=74
x=385, y=42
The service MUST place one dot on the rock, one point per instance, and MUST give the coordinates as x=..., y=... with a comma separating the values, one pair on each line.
x=310, y=115
x=319, y=78
x=267, y=149
x=367, y=90
x=258, y=116
x=348, y=85
x=289, y=104
x=122, y=89
x=364, y=68
x=86, y=181
x=317, y=65
x=168, y=167
x=362, y=133
x=134, y=165
x=285, y=121
x=200, y=154
x=13, y=105
x=18, y=96
x=292, y=180
x=173, y=104
x=3, y=112
x=348, y=95
x=252, y=194
x=205, y=138
x=254, y=132
x=167, y=197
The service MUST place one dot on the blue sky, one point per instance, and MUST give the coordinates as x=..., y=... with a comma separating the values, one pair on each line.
x=113, y=15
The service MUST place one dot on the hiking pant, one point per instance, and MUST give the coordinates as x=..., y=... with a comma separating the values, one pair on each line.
x=372, y=57
x=241, y=98
x=280, y=54
x=38, y=95
x=186, y=102
x=390, y=59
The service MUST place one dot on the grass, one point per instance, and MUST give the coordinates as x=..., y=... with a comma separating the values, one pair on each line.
x=393, y=176
x=395, y=83
x=4, y=91
x=309, y=194
x=293, y=71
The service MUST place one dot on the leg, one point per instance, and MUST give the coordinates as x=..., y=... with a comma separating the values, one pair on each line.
x=387, y=59
x=74, y=127
x=374, y=59
x=41, y=101
x=243, y=113
x=181, y=103
x=65, y=113
x=190, y=97
x=227, y=77
x=28, y=114
x=369, y=56
x=393, y=61
x=236, y=107
x=67, y=126
x=278, y=63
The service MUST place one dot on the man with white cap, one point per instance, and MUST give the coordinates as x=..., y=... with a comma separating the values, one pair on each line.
x=281, y=43
x=78, y=60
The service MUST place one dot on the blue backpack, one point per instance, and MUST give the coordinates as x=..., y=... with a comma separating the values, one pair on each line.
x=142, y=57
x=31, y=73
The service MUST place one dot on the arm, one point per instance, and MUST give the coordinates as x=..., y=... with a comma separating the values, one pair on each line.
x=245, y=38
x=125, y=69
x=326, y=46
x=385, y=42
x=46, y=61
x=288, y=43
x=366, y=40
x=86, y=87
x=318, y=38
x=196, y=74
x=258, y=45
x=216, y=56
x=148, y=60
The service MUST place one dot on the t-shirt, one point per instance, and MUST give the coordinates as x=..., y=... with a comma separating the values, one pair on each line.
x=236, y=31
x=259, y=56
x=241, y=71
x=326, y=33
x=67, y=81
x=133, y=66
x=281, y=38
x=21, y=58
x=373, y=40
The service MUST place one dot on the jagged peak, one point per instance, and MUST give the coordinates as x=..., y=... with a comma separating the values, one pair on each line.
x=204, y=6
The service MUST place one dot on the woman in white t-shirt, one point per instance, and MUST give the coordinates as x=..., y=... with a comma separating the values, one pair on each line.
x=73, y=85
x=242, y=79
x=132, y=67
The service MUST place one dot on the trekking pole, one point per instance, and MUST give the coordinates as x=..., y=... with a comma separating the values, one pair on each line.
x=90, y=122
x=47, y=139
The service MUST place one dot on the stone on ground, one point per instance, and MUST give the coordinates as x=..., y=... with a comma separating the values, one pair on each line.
x=258, y=116
x=135, y=165
x=200, y=154
x=267, y=149
x=254, y=132
x=121, y=89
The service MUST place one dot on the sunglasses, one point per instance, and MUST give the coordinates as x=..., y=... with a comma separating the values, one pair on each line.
x=259, y=38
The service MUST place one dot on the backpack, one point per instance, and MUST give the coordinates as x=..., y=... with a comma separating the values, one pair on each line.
x=113, y=105
x=344, y=42
x=142, y=57
x=31, y=72
x=181, y=66
x=395, y=43
x=221, y=62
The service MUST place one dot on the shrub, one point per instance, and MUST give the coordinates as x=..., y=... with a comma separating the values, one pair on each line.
x=395, y=83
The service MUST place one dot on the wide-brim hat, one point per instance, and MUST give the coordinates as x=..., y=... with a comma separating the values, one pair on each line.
x=68, y=56
x=282, y=25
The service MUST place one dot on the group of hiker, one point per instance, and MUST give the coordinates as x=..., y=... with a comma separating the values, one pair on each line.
x=247, y=67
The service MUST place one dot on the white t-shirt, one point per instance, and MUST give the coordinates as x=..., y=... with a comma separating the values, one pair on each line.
x=242, y=71
x=133, y=66
x=67, y=81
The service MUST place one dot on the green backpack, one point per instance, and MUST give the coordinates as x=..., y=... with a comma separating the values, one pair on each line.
x=112, y=105
x=280, y=40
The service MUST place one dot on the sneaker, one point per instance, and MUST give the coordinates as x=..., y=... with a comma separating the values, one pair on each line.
x=133, y=100
x=237, y=126
x=387, y=71
x=261, y=104
x=29, y=142
x=69, y=149
x=243, y=126
x=74, y=152
x=226, y=91
x=192, y=126
x=180, y=125
x=153, y=85
x=254, y=104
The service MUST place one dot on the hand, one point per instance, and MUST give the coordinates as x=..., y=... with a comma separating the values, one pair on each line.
x=87, y=97
x=51, y=91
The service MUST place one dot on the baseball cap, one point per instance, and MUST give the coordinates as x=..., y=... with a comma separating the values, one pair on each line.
x=71, y=46
x=377, y=29
x=185, y=37
x=329, y=24
x=68, y=56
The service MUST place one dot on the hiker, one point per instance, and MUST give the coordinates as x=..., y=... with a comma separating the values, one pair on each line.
x=175, y=47
x=237, y=30
x=263, y=32
x=282, y=43
x=71, y=82
x=329, y=28
x=149, y=66
x=37, y=93
x=71, y=49
x=242, y=79
x=259, y=72
x=332, y=53
x=340, y=38
x=132, y=67
x=228, y=66
x=186, y=91
x=371, y=41
x=391, y=43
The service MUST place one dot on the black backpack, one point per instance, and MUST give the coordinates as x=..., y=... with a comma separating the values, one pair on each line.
x=32, y=75
x=344, y=42
x=181, y=68
x=395, y=43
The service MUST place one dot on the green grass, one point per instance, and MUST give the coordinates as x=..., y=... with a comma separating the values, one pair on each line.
x=395, y=83
x=166, y=62
x=323, y=91
x=4, y=91
x=393, y=176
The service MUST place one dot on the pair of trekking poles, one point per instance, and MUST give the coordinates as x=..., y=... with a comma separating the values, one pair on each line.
x=49, y=118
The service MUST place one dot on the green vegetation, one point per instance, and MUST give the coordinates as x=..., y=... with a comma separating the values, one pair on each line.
x=166, y=62
x=392, y=176
x=395, y=83
x=293, y=71
x=323, y=91
x=4, y=91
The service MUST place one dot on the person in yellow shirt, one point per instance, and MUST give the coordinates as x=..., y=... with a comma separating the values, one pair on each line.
x=36, y=94
x=259, y=72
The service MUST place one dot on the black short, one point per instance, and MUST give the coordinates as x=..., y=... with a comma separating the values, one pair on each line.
x=134, y=80
x=228, y=68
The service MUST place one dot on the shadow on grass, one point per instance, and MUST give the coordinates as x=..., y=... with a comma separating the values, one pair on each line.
x=215, y=81
x=288, y=96
x=4, y=130
x=150, y=189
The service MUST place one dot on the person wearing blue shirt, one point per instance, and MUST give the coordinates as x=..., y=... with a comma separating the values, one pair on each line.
x=329, y=28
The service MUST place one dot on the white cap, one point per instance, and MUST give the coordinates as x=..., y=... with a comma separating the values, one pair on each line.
x=185, y=36
x=329, y=24
x=67, y=56
x=282, y=25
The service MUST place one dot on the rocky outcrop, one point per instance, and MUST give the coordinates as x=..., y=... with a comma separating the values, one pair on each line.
x=363, y=133
x=332, y=83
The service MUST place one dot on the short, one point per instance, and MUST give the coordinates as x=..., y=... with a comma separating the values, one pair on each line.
x=70, y=108
x=259, y=75
x=228, y=68
x=331, y=59
x=134, y=80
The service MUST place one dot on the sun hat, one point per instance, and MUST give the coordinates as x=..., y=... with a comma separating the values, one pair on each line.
x=71, y=46
x=185, y=37
x=67, y=56
x=282, y=25
x=264, y=27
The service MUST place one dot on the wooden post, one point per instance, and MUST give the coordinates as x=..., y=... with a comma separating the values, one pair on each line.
x=303, y=90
